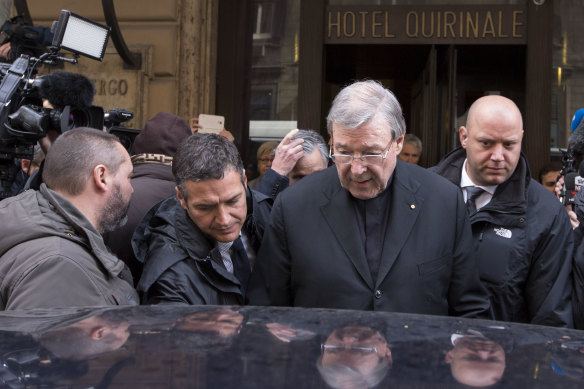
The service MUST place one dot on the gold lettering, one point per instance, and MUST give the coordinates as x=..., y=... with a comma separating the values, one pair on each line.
x=375, y=24
x=123, y=87
x=363, y=15
x=111, y=87
x=448, y=24
x=438, y=24
x=461, y=24
x=472, y=25
x=352, y=24
x=517, y=24
x=337, y=25
x=501, y=35
x=489, y=27
x=424, y=25
x=409, y=33
x=387, y=34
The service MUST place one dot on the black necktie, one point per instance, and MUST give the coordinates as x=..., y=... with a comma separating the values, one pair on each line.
x=472, y=192
x=241, y=268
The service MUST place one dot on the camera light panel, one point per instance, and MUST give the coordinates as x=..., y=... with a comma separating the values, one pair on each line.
x=85, y=37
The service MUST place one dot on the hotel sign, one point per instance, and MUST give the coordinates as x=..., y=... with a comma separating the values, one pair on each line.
x=504, y=24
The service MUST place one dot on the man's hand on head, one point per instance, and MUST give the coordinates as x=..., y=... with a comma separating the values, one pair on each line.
x=288, y=153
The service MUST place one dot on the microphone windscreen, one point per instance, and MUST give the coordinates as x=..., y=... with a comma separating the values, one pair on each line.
x=64, y=88
x=581, y=169
x=576, y=141
x=570, y=181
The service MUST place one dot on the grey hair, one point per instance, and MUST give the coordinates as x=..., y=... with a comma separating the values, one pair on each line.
x=358, y=103
x=203, y=157
x=414, y=140
x=342, y=376
x=71, y=159
x=313, y=139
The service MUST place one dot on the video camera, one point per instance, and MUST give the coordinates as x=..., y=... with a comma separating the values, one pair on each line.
x=23, y=118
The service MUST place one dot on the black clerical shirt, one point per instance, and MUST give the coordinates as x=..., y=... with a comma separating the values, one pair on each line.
x=372, y=219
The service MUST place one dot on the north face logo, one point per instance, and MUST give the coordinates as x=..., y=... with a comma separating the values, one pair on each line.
x=505, y=233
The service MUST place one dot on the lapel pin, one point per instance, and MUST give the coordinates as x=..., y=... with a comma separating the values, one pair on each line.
x=413, y=206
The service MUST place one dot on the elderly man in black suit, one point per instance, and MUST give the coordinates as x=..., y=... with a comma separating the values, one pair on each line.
x=371, y=233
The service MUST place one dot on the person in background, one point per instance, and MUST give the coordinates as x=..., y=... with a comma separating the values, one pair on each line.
x=299, y=154
x=549, y=174
x=412, y=150
x=265, y=157
x=152, y=152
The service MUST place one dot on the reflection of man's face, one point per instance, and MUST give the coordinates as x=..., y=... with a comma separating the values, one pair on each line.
x=223, y=321
x=361, y=348
x=476, y=361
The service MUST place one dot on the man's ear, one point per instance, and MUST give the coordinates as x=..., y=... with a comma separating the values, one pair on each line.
x=399, y=144
x=448, y=357
x=463, y=136
x=244, y=179
x=180, y=197
x=97, y=333
x=24, y=165
x=100, y=177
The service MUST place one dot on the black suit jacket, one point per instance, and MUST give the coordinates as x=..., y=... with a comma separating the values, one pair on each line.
x=312, y=254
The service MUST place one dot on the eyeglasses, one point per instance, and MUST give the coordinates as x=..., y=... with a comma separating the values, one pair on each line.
x=366, y=160
x=335, y=349
x=266, y=160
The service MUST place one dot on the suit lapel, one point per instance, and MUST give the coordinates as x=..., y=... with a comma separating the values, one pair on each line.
x=340, y=215
x=404, y=210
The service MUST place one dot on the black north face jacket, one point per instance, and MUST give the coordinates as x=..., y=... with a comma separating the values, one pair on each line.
x=181, y=265
x=523, y=246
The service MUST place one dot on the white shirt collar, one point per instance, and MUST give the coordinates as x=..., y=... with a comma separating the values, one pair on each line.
x=466, y=181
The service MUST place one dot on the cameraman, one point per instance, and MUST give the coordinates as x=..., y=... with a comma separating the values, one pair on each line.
x=55, y=255
x=58, y=90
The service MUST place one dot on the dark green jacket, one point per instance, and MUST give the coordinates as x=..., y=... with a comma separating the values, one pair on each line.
x=51, y=256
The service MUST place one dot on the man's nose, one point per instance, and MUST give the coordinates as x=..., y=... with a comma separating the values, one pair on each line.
x=222, y=215
x=357, y=167
x=497, y=153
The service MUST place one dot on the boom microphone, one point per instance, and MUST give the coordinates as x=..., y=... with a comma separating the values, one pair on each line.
x=576, y=141
x=64, y=88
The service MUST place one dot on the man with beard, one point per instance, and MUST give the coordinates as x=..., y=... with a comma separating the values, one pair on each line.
x=52, y=253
